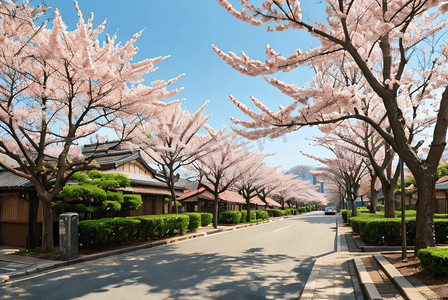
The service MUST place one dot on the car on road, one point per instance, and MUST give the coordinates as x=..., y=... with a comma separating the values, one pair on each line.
x=331, y=210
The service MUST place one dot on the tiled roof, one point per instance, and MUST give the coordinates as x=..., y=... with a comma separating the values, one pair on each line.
x=272, y=202
x=188, y=195
x=147, y=190
x=230, y=196
x=107, y=159
x=444, y=178
x=8, y=180
x=442, y=185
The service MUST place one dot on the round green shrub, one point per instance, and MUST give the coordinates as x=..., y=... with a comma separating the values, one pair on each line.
x=434, y=260
x=230, y=217
x=195, y=220
x=206, y=218
x=262, y=214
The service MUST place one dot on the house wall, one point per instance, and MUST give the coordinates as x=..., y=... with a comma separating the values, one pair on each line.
x=440, y=203
x=134, y=168
x=13, y=220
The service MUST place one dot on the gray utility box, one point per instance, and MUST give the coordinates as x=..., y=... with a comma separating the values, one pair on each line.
x=68, y=235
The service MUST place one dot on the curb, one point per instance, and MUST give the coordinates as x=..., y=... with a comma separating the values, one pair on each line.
x=308, y=290
x=368, y=287
x=46, y=267
x=407, y=290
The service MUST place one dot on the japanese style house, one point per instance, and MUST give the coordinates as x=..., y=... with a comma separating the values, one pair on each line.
x=16, y=193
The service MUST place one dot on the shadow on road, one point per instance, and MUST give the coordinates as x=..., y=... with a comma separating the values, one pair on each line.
x=163, y=274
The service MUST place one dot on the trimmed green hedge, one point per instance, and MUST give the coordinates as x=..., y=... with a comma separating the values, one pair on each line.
x=277, y=212
x=104, y=232
x=236, y=217
x=230, y=217
x=206, y=218
x=163, y=225
x=262, y=214
x=362, y=209
x=253, y=216
x=290, y=211
x=195, y=220
x=374, y=229
x=346, y=215
x=301, y=209
x=434, y=260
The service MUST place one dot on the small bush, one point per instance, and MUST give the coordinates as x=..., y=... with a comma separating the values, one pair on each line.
x=195, y=220
x=346, y=215
x=262, y=214
x=230, y=217
x=253, y=215
x=434, y=260
x=362, y=209
x=379, y=231
x=206, y=219
x=95, y=232
x=380, y=208
x=277, y=212
x=290, y=211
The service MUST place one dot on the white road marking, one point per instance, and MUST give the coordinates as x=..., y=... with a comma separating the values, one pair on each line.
x=283, y=228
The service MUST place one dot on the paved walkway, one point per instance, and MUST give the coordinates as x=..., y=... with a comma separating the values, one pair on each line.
x=351, y=273
x=333, y=276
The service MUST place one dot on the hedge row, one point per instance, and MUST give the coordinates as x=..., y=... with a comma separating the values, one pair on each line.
x=434, y=260
x=104, y=232
x=236, y=217
x=206, y=219
x=381, y=231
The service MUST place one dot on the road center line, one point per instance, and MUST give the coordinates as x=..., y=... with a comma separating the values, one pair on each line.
x=282, y=228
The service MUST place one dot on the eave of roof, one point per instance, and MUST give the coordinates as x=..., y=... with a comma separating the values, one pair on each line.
x=442, y=185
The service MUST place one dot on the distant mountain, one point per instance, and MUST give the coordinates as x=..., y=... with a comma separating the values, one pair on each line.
x=302, y=172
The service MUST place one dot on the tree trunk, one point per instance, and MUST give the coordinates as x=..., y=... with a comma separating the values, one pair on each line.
x=373, y=196
x=47, y=227
x=215, y=211
x=354, y=210
x=33, y=205
x=389, y=201
x=248, y=210
x=170, y=206
x=425, y=236
x=173, y=200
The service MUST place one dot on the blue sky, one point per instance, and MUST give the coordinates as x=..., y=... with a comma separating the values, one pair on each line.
x=185, y=30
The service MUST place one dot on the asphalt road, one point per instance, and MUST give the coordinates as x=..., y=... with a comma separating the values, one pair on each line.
x=270, y=261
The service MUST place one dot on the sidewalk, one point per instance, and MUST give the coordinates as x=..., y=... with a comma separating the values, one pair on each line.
x=352, y=273
x=333, y=276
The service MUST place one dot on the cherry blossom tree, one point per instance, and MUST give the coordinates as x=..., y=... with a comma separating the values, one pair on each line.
x=273, y=183
x=383, y=42
x=59, y=86
x=373, y=152
x=171, y=140
x=254, y=173
x=220, y=169
x=306, y=192
x=293, y=189
x=344, y=170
